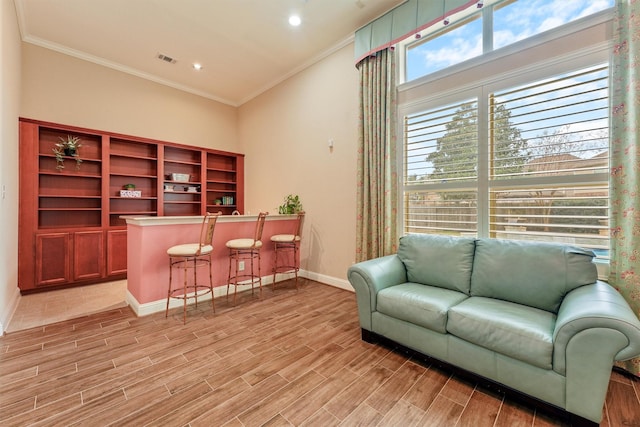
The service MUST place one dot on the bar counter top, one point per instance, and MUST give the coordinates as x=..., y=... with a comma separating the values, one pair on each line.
x=144, y=221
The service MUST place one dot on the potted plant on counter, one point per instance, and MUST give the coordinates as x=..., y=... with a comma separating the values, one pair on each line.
x=291, y=205
x=67, y=147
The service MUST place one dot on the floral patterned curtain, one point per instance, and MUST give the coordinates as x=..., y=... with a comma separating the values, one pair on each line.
x=625, y=159
x=376, y=226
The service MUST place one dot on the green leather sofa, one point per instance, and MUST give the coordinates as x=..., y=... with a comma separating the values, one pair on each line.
x=529, y=316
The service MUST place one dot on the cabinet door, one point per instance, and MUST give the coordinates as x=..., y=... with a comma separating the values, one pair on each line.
x=52, y=259
x=88, y=255
x=116, y=252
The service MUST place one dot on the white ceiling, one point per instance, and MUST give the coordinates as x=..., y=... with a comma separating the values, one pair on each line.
x=244, y=46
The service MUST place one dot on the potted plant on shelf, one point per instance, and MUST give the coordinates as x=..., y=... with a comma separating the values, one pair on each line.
x=69, y=147
x=291, y=205
x=129, y=187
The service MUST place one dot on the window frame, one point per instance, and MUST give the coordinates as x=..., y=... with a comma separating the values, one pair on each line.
x=582, y=57
x=489, y=54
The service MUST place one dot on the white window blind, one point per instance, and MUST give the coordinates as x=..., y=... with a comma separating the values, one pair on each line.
x=441, y=170
x=561, y=165
x=547, y=174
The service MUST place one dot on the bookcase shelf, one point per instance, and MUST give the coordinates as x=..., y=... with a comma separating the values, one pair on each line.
x=224, y=179
x=70, y=224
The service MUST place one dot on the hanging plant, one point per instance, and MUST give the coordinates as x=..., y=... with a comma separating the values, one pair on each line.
x=67, y=147
x=291, y=205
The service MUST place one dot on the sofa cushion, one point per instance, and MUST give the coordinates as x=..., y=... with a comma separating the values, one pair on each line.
x=532, y=273
x=440, y=261
x=524, y=333
x=419, y=304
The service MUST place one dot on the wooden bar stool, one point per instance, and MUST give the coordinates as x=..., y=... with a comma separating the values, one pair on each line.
x=286, y=248
x=246, y=249
x=192, y=255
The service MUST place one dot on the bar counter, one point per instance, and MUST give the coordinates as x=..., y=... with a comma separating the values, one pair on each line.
x=148, y=239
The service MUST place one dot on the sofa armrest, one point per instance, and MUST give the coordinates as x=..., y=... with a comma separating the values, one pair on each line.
x=369, y=277
x=594, y=327
x=595, y=306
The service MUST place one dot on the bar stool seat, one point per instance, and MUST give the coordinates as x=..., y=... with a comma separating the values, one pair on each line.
x=287, y=247
x=189, y=249
x=243, y=244
x=191, y=256
x=284, y=238
x=245, y=249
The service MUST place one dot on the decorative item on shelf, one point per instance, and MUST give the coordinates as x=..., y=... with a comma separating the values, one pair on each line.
x=291, y=205
x=70, y=147
x=227, y=200
x=193, y=189
x=168, y=187
x=180, y=177
x=217, y=202
x=130, y=191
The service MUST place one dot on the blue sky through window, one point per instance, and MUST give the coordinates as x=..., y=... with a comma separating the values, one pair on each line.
x=513, y=21
x=457, y=44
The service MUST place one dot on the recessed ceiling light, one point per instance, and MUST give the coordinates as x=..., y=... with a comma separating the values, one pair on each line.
x=197, y=66
x=294, y=20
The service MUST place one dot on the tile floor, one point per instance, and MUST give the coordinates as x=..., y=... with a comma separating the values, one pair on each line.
x=54, y=306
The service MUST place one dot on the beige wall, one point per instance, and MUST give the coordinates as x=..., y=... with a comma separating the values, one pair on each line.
x=62, y=89
x=10, y=98
x=284, y=134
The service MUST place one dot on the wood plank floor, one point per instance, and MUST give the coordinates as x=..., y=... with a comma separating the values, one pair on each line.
x=291, y=358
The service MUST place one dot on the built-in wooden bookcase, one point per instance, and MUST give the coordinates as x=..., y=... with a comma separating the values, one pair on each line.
x=135, y=163
x=183, y=181
x=71, y=230
x=222, y=183
x=70, y=196
x=61, y=239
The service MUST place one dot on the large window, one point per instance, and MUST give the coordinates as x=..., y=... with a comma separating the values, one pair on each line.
x=508, y=135
x=523, y=162
x=478, y=31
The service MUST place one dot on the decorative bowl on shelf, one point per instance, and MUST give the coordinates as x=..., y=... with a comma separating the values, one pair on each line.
x=180, y=177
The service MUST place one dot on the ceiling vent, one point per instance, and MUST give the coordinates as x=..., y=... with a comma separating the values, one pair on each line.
x=166, y=58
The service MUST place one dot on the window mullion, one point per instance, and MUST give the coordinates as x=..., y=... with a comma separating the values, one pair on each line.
x=483, y=164
x=487, y=29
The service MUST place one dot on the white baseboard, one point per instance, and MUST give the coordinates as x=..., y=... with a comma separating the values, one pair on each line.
x=12, y=305
x=327, y=280
x=161, y=305
x=221, y=291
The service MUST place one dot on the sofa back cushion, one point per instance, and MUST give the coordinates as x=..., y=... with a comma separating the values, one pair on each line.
x=440, y=261
x=531, y=273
